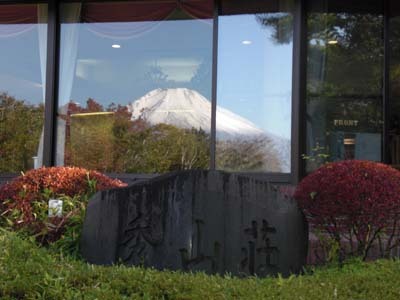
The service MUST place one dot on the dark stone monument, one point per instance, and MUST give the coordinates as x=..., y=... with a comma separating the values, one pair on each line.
x=197, y=220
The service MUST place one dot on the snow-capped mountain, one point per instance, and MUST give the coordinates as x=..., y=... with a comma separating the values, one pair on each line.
x=185, y=108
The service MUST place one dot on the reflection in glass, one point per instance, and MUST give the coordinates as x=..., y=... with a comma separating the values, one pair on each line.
x=254, y=92
x=344, y=84
x=23, y=35
x=135, y=84
x=394, y=98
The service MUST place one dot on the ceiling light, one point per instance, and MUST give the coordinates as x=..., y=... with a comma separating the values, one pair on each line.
x=247, y=42
x=332, y=42
x=116, y=46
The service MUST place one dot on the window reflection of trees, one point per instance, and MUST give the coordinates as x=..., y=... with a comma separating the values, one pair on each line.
x=344, y=69
x=106, y=139
x=21, y=125
x=344, y=82
x=394, y=93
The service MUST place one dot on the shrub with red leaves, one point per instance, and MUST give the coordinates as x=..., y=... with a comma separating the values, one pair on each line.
x=24, y=201
x=354, y=201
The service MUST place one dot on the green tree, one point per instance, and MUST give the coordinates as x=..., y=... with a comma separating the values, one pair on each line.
x=162, y=148
x=255, y=154
x=21, y=125
x=110, y=141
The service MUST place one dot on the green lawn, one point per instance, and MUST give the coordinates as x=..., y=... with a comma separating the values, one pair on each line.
x=28, y=272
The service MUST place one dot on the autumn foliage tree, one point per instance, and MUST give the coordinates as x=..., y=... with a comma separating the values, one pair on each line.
x=356, y=203
x=105, y=139
x=108, y=140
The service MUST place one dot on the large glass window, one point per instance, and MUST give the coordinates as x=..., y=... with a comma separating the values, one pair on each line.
x=135, y=85
x=344, y=81
x=254, y=101
x=394, y=85
x=23, y=35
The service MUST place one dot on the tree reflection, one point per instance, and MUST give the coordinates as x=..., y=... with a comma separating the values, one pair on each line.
x=109, y=141
x=21, y=125
x=344, y=78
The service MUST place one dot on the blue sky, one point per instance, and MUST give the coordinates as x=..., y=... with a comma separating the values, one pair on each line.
x=20, y=71
x=254, y=80
x=254, y=77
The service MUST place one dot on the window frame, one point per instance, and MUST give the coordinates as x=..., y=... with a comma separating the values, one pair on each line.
x=298, y=91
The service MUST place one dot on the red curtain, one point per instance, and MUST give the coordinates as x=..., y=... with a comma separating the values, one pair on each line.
x=18, y=14
x=198, y=9
x=108, y=19
x=93, y=12
x=125, y=12
x=139, y=11
x=143, y=15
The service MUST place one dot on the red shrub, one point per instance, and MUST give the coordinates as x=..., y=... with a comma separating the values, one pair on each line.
x=353, y=200
x=68, y=181
x=17, y=198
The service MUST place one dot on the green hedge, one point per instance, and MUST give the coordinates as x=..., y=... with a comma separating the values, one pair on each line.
x=29, y=272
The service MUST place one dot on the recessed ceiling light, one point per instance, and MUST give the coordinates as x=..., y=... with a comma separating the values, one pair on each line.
x=247, y=42
x=332, y=42
x=116, y=46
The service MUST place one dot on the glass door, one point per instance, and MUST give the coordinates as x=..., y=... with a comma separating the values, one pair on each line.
x=344, y=102
x=393, y=117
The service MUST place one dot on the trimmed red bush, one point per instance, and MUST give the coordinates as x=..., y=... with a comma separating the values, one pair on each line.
x=357, y=201
x=24, y=201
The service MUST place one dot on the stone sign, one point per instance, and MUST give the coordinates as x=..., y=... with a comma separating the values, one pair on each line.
x=197, y=221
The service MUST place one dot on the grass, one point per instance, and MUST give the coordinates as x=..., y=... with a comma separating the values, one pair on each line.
x=29, y=272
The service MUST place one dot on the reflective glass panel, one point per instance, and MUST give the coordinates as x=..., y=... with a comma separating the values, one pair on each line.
x=344, y=81
x=254, y=101
x=135, y=85
x=394, y=95
x=23, y=47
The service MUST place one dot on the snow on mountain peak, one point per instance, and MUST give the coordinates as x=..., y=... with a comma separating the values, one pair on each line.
x=187, y=108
